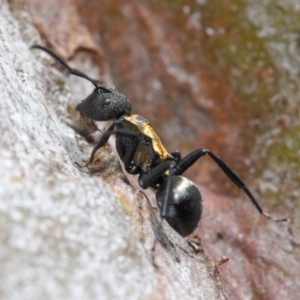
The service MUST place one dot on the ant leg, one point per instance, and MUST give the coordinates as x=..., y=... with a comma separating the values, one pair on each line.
x=129, y=166
x=176, y=155
x=185, y=163
x=146, y=180
x=130, y=152
x=102, y=142
x=191, y=158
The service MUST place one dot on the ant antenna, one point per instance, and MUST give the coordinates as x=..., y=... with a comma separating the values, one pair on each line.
x=72, y=71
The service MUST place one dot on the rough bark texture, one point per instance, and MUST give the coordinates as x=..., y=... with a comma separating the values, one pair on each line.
x=65, y=234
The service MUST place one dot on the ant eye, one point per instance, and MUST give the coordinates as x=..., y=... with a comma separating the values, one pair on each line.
x=107, y=101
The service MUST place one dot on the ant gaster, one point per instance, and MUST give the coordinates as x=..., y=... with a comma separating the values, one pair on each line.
x=143, y=154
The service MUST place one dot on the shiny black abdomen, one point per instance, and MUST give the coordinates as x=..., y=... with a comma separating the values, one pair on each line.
x=184, y=205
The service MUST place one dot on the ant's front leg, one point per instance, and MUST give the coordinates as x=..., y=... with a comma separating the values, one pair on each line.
x=102, y=142
x=182, y=165
x=129, y=166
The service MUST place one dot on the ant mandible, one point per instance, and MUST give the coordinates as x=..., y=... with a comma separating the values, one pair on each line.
x=143, y=154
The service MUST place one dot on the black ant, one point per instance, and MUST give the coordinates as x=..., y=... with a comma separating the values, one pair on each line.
x=143, y=154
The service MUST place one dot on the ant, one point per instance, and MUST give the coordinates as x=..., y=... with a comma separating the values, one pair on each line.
x=143, y=154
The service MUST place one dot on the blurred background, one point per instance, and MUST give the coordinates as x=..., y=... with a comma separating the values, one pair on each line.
x=223, y=75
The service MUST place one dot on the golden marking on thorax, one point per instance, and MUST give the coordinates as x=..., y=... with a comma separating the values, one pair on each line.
x=145, y=128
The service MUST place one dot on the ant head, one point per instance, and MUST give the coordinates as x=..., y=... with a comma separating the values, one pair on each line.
x=104, y=104
x=184, y=208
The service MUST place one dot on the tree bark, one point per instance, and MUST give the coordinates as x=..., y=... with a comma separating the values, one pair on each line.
x=66, y=234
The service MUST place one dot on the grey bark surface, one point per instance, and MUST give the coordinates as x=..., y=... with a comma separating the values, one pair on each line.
x=65, y=234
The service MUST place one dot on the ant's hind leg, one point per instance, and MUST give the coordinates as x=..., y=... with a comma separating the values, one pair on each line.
x=182, y=165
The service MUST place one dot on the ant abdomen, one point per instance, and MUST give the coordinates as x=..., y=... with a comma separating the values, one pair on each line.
x=184, y=205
